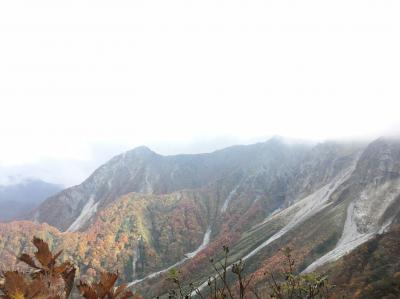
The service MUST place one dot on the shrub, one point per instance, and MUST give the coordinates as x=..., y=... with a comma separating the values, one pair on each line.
x=284, y=285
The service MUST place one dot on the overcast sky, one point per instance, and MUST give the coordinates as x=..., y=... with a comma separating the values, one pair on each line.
x=83, y=80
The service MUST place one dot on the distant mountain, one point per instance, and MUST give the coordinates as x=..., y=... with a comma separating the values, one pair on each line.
x=324, y=200
x=18, y=199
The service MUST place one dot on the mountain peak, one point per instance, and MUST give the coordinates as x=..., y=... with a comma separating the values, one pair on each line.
x=140, y=151
x=142, y=148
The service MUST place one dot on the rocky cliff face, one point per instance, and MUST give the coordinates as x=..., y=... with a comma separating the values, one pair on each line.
x=372, y=195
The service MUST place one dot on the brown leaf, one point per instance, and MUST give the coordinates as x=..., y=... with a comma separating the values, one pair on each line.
x=107, y=280
x=63, y=268
x=87, y=291
x=27, y=259
x=43, y=253
x=55, y=257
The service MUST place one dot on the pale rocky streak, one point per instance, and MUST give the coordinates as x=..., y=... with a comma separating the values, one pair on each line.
x=362, y=221
x=203, y=245
x=134, y=260
x=36, y=217
x=307, y=207
x=229, y=198
x=88, y=211
x=147, y=188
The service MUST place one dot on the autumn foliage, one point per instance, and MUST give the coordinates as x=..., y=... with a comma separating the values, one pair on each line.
x=49, y=279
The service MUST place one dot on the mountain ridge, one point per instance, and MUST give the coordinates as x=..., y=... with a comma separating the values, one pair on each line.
x=324, y=200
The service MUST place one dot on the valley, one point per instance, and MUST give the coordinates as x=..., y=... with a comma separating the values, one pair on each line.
x=142, y=213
